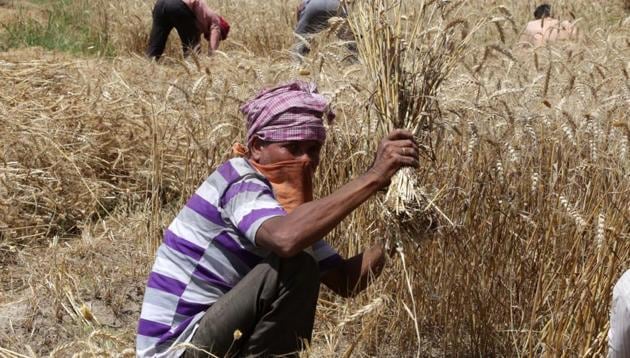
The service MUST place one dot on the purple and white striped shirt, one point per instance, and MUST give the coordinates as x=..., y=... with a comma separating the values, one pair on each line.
x=208, y=248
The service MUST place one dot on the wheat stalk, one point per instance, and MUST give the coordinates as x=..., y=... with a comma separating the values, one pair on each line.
x=408, y=52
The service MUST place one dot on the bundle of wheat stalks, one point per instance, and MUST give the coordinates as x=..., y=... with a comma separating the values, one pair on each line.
x=409, y=51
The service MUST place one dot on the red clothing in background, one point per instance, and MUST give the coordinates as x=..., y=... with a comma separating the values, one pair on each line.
x=207, y=22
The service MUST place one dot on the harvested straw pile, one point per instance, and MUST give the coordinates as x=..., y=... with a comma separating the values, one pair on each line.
x=531, y=164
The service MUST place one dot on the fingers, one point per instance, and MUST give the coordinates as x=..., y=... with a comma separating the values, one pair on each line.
x=402, y=157
x=409, y=152
x=398, y=134
x=401, y=138
x=408, y=161
x=398, y=149
x=404, y=147
x=405, y=143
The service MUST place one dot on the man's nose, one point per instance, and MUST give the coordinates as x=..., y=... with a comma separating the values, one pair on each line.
x=314, y=161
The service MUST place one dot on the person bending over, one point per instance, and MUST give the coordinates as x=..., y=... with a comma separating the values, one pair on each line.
x=245, y=256
x=190, y=18
x=545, y=28
x=312, y=18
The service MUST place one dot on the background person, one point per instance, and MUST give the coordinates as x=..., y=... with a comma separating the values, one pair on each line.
x=313, y=16
x=545, y=28
x=619, y=333
x=190, y=18
x=247, y=253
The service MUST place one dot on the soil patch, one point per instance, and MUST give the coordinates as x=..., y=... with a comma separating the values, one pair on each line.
x=75, y=293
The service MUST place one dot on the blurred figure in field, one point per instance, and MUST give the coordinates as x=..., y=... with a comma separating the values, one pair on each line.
x=619, y=334
x=190, y=18
x=545, y=28
x=312, y=18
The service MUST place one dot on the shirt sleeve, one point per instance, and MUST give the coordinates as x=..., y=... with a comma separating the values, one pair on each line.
x=248, y=203
x=325, y=255
x=619, y=334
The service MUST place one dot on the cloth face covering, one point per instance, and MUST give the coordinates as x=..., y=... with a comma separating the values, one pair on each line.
x=289, y=112
x=291, y=180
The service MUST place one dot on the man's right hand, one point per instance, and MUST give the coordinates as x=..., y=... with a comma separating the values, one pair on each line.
x=289, y=234
x=399, y=149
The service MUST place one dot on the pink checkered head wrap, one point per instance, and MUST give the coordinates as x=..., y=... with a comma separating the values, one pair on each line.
x=292, y=111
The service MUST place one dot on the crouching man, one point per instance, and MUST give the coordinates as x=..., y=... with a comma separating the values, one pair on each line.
x=245, y=254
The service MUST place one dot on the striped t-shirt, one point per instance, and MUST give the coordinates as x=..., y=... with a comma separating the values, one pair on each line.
x=207, y=249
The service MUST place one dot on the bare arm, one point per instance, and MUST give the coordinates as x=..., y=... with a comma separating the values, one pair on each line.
x=570, y=30
x=290, y=234
x=356, y=273
x=214, y=39
x=299, y=9
x=524, y=40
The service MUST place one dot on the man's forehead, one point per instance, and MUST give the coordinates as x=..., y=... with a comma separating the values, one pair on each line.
x=306, y=142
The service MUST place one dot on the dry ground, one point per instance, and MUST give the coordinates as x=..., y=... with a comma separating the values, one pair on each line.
x=11, y=9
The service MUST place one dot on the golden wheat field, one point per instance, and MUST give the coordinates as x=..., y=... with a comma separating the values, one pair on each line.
x=524, y=222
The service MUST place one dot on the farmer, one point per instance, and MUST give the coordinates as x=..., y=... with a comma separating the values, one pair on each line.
x=240, y=266
x=190, y=18
x=619, y=333
x=312, y=17
x=545, y=28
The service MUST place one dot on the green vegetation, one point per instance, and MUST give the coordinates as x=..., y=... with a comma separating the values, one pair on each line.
x=69, y=25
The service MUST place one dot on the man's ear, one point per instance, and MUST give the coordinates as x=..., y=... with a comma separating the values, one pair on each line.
x=255, y=149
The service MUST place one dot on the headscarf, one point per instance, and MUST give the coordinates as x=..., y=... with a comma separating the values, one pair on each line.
x=288, y=112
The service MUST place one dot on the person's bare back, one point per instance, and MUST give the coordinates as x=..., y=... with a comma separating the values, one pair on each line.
x=545, y=28
x=538, y=32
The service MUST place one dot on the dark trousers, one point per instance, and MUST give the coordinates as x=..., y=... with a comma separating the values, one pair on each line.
x=166, y=15
x=273, y=307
